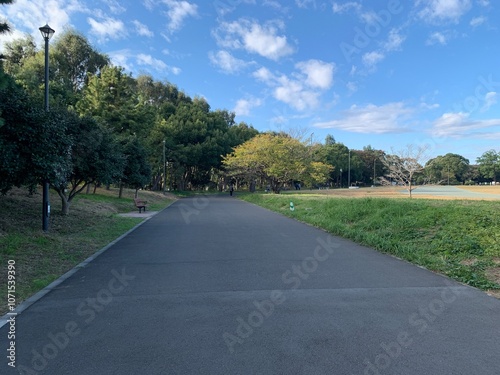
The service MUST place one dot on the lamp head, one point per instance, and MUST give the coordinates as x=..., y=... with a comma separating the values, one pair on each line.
x=46, y=31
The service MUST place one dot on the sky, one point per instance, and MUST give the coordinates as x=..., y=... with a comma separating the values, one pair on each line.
x=384, y=73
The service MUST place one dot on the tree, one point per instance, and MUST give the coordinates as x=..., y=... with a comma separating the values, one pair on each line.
x=278, y=159
x=450, y=168
x=137, y=171
x=34, y=144
x=337, y=156
x=403, y=166
x=74, y=59
x=489, y=164
x=4, y=26
x=110, y=97
x=17, y=52
x=370, y=166
x=94, y=156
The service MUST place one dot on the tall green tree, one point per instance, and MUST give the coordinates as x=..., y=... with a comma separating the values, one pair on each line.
x=109, y=96
x=34, y=144
x=370, y=167
x=4, y=26
x=489, y=164
x=448, y=169
x=137, y=170
x=17, y=52
x=74, y=58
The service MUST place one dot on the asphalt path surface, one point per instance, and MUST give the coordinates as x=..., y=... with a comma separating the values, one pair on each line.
x=219, y=286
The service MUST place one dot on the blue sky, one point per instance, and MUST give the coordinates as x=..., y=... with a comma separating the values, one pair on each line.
x=384, y=73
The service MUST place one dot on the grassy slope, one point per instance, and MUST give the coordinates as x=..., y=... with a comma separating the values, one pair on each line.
x=42, y=257
x=458, y=238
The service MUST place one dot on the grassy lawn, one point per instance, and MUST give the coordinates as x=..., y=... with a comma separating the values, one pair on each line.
x=458, y=238
x=40, y=257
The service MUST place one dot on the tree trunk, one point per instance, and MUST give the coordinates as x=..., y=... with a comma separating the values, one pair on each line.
x=95, y=187
x=121, y=190
x=88, y=189
x=64, y=201
x=65, y=205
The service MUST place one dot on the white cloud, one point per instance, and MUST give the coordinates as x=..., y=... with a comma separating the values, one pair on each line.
x=459, y=125
x=178, y=11
x=254, y=38
x=370, y=59
x=26, y=16
x=263, y=74
x=109, y=28
x=437, y=11
x=477, y=21
x=352, y=87
x=437, y=38
x=244, y=106
x=342, y=8
x=304, y=89
x=394, y=41
x=318, y=73
x=142, y=29
x=490, y=100
x=156, y=64
x=115, y=7
x=121, y=58
x=143, y=59
x=225, y=7
x=227, y=62
x=388, y=118
x=292, y=92
x=305, y=3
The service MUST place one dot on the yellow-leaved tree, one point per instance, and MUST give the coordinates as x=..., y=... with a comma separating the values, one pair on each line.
x=276, y=158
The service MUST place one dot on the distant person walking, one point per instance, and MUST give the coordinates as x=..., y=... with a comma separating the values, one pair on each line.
x=231, y=189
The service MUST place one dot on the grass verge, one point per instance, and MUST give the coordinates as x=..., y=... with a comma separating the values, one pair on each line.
x=40, y=257
x=458, y=238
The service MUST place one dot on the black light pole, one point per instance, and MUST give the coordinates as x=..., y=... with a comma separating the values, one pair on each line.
x=47, y=33
x=349, y=171
x=164, y=171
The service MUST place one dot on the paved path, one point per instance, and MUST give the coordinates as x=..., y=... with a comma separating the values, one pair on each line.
x=219, y=286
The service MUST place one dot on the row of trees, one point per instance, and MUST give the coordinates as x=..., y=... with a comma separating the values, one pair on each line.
x=104, y=126
x=281, y=161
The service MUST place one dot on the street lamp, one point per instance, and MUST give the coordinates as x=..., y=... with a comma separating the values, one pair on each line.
x=47, y=33
x=340, y=178
x=349, y=172
x=164, y=172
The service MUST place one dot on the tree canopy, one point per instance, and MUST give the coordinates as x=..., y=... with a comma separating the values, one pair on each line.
x=277, y=159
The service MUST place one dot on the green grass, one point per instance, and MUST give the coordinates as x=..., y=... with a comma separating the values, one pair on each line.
x=458, y=238
x=42, y=257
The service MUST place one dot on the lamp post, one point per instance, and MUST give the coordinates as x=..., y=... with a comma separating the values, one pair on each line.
x=349, y=172
x=47, y=33
x=164, y=172
x=340, y=184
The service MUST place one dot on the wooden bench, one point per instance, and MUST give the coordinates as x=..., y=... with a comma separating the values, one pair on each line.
x=140, y=204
